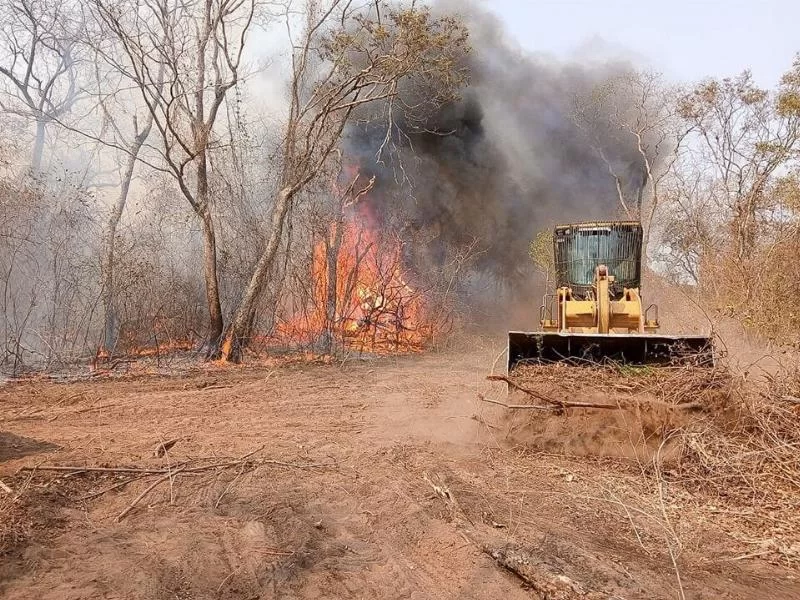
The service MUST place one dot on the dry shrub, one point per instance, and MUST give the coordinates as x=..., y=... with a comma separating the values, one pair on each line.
x=13, y=526
x=750, y=451
x=47, y=308
x=760, y=290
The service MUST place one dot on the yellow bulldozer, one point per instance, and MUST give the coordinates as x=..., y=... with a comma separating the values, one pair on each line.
x=596, y=313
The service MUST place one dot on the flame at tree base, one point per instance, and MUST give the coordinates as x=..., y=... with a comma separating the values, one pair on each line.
x=368, y=307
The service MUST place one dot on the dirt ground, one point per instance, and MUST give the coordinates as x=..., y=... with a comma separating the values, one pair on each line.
x=385, y=478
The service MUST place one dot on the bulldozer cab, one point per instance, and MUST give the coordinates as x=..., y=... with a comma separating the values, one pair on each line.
x=579, y=249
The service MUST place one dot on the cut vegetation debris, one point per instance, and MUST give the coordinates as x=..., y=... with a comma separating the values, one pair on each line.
x=718, y=444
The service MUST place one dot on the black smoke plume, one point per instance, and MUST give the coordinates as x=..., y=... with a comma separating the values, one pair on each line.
x=505, y=162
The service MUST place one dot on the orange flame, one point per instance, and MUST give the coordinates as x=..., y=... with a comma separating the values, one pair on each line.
x=373, y=309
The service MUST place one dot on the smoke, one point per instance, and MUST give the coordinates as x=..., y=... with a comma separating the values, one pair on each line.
x=506, y=161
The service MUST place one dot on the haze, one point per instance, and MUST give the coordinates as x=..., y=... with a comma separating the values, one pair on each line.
x=685, y=39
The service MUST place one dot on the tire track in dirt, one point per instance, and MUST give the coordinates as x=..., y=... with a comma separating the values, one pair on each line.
x=360, y=530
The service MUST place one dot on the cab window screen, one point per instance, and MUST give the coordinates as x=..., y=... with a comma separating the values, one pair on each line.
x=580, y=251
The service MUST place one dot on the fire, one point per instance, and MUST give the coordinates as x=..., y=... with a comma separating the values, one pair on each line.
x=369, y=306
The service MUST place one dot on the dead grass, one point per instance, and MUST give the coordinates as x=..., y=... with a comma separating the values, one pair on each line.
x=13, y=528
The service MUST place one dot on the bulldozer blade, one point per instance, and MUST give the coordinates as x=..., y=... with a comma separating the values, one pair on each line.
x=631, y=348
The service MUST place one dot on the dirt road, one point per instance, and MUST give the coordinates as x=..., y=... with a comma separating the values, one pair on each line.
x=377, y=479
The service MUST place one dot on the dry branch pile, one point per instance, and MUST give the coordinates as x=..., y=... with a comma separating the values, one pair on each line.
x=624, y=385
x=165, y=474
x=13, y=528
x=748, y=460
x=735, y=452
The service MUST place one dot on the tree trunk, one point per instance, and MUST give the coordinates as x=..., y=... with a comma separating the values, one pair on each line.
x=651, y=212
x=108, y=297
x=648, y=225
x=110, y=320
x=240, y=328
x=38, y=146
x=744, y=228
x=332, y=277
x=640, y=193
x=215, y=322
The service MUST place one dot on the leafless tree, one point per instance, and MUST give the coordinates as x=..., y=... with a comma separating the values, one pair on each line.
x=729, y=218
x=40, y=63
x=637, y=110
x=120, y=124
x=184, y=57
x=688, y=224
x=139, y=135
x=344, y=60
x=744, y=135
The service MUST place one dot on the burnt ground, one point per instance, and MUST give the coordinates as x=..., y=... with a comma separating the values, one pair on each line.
x=379, y=479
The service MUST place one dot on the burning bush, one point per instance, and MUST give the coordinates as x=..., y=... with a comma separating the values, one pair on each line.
x=360, y=298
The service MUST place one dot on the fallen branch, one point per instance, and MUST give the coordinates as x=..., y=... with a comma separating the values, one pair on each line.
x=483, y=398
x=227, y=488
x=78, y=469
x=555, y=405
x=75, y=469
x=482, y=421
x=499, y=356
x=80, y=411
x=150, y=488
x=442, y=490
x=258, y=463
x=91, y=408
x=163, y=447
x=168, y=473
x=5, y=488
x=561, y=404
x=531, y=393
x=540, y=577
x=111, y=488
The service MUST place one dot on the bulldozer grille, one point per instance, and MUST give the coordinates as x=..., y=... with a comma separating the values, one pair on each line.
x=639, y=349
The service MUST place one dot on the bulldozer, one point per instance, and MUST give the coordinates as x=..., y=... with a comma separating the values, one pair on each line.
x=597, y=313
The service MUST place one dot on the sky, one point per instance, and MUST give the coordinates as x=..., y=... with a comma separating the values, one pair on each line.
x=685, y=40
